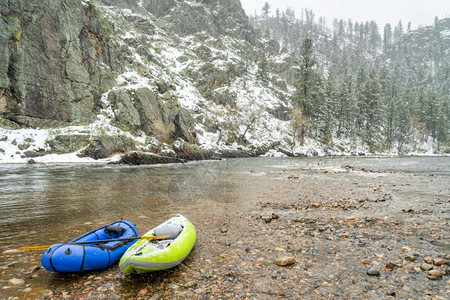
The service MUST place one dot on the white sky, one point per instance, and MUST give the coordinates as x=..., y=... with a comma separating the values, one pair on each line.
x=419, y=12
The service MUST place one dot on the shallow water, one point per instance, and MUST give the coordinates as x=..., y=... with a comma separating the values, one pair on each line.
x=49, y=199
x=45, y=204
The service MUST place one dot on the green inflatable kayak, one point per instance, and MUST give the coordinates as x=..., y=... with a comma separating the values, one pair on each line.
x=146, y=256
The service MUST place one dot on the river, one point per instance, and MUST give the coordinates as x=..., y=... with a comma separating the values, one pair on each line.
x=45, y=204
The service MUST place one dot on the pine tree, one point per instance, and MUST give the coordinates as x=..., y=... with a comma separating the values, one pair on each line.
x=432, y=113
x=361, y=78
x=443, y=126
x=422, y=105
x=266, y=10
x=372, y=110
x=329, y=109
x=308, y=95
x=346, y=107
x=263, y=69
x=398, y=31
x=402, y=120
x=374, y=37
x=350, y=29
x=391, y=96
x=387, y=38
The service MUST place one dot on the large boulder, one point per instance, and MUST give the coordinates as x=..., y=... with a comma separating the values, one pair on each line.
x=204, y=53
x=272, y=47
x=105, y=145
x=68, y=143
x=126, y=115
x=144, y=158
x=193, y=152
x=184, y=126
x=149, y=107
x=144, y=110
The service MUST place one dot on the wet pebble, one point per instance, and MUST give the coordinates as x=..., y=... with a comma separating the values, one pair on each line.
x=411, y=258
x=191, y=284
x=34, y=269
x=428, y=259
x=390, y=266
x=439, y=262
x=373, y=272
x=143, y=292
x=269, y=217
x=434, y=274
x=27, y=290
x=173, y=286
x=16, y=281
x=285, y=261
x=46, y=293
x=11, y=251
x=426, y=267
x=12, y=264
x=406, y=250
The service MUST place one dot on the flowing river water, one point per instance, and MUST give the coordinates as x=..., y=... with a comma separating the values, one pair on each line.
x=45, y=204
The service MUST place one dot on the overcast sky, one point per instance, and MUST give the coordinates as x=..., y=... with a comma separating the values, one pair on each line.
x=419, y=12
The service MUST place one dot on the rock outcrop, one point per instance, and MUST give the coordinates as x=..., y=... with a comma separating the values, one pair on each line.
x=105, y=145
x=143, y=158
x=215, y=17
x=144, y=110
x=55, y=60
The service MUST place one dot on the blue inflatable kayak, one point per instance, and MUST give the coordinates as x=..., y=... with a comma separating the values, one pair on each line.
x=79, y=255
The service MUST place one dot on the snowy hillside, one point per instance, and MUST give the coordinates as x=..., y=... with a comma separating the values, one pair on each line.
x=183, y=83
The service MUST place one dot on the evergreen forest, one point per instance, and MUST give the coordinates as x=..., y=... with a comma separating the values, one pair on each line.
x=388, y=88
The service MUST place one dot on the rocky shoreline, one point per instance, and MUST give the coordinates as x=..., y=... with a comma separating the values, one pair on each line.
x=309, y=233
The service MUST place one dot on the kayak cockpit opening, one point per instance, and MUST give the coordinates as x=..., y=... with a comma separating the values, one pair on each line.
x=172, y=230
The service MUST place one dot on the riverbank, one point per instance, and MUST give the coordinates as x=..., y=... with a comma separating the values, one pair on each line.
x=352, y=231
x=101, y=142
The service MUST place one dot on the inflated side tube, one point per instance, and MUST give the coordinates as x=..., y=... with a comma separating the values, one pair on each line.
x=73, y=257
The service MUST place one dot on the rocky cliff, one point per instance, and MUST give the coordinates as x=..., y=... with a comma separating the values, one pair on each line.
x=56, y=59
